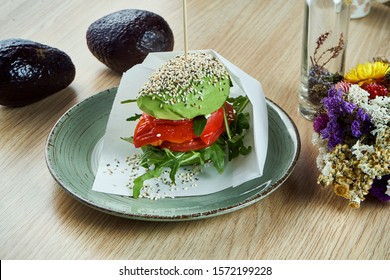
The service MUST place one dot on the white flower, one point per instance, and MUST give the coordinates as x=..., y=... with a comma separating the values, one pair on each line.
x=379, y=111
x=322, y=150
x=367, y=169
x=328, y=169
x=358, y=150
x=358, y=95
x=378, y=108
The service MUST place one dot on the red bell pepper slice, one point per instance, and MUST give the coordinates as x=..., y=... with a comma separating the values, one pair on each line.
x=179, y=135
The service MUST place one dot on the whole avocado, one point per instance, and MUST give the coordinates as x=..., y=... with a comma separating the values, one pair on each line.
x=124, y=38
x=30, y=71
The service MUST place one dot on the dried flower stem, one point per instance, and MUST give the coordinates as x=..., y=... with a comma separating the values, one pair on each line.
x=334, y=51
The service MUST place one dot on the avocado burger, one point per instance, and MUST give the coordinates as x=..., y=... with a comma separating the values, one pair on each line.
x=188, y=117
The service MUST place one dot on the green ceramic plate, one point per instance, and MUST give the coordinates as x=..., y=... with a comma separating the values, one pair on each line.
x=72, y=158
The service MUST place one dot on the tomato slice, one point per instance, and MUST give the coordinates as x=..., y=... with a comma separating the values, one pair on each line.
x=179, y=135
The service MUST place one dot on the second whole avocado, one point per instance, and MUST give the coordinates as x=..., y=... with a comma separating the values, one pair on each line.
x=124, y=38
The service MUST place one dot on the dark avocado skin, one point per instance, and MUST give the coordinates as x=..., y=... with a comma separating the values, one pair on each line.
x=30, y=71
x=124, y=38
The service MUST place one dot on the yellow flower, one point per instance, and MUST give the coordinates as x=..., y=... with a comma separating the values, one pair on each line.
x=368, y=73
x=354, y=201
x=342, y=190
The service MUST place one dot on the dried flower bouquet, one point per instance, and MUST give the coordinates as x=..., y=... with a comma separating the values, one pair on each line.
x=352, y=133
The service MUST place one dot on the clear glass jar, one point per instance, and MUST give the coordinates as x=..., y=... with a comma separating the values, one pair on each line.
x=325, y=35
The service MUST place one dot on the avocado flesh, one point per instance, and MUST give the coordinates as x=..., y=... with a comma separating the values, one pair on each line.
x=207, y=97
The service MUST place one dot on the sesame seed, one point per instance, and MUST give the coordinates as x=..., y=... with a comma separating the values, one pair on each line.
x=178, y=77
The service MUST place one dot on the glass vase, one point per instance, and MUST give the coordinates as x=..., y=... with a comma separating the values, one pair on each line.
x=325, y=35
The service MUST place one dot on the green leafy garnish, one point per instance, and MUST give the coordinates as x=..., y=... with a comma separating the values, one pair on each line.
x=199, y=125
x=233, y=139
x=134, y=118
x=156, y=160
x=227, y=126
x=128, y=139
x=229, y=145
x=128, y=101
x=239, y=103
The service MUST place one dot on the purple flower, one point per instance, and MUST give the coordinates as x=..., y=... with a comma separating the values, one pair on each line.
x=362, y=124
x=320, y=122
x=345, y=119
x=379, y=188
x=334, y=132
x=336, y=105
x=355, y=127
x=362, y=115
x=338, y=109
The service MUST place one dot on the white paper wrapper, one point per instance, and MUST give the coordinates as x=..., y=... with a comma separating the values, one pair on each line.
x=117, y=169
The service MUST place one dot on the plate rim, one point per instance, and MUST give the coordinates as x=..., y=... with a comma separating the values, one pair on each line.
x=155, y=217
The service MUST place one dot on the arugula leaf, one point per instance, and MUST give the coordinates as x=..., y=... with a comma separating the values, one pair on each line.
x=156, y=160
x=239, y=103
x=235, y=144
x=226, y=122
x=134, y=118
x=236, y=147
x=173, y=163
x=245, y=150
x=128, y=101
x=128, y=139
x=139, y=181
x=242, y=122
x=217, y=155
x=199, y=125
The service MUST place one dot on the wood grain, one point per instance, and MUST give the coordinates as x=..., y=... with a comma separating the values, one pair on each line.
x=298, y=221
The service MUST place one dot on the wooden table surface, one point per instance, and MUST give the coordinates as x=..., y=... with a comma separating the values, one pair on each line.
x=300, y=220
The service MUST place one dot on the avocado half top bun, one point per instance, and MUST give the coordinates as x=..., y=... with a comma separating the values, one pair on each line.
x=185, y=88
x=188, y=117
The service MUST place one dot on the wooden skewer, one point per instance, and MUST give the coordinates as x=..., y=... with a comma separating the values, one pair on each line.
x=185, y=29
